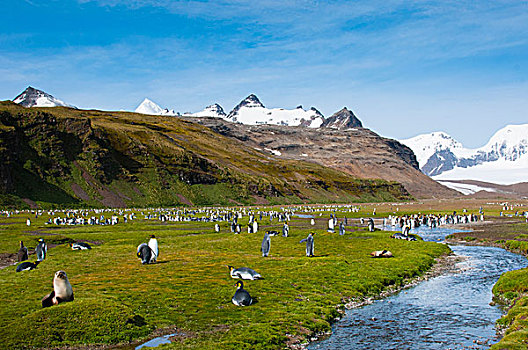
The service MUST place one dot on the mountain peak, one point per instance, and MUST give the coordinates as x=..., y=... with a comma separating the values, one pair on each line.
x=152, y=108
x=342, y=120
x=214, y=110
x=32, y=97
x=251, y=101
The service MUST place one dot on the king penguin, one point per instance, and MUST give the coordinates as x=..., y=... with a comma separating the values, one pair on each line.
x=331, y=225
x=80, y=246
x=26, y=266
x=244, y=273
x=285, y=230
x=241, y=297
x=41, y=250
x=153, y=244
x=309, y=244
x=266, y=245
x=22, y=254
x=144, y=253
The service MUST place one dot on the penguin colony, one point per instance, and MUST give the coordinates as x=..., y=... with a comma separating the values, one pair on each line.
x=148, y=253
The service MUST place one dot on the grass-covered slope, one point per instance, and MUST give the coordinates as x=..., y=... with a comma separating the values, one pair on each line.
x=118, y=300
x=67, y=157
x=512, y=289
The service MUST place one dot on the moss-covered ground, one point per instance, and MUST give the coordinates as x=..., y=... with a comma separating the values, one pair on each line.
x=189, y=290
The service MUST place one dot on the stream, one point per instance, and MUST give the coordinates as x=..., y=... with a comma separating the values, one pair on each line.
x=451, y=311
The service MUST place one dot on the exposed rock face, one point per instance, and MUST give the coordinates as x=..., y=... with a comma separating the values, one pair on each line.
x=215, y=110
x=440, y=161
x=359, y=152
x=342, y=120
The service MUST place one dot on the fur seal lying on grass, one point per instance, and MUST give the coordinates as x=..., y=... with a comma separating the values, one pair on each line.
x=241, y=297
x=244, y=272
x=62, y=290
x=26, y=266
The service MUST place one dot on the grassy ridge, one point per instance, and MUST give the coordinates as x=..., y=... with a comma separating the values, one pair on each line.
x=512, y=289
x=190, y=289
x=62, y=157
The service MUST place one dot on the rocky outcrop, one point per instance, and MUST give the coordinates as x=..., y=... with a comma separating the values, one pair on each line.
x=358, y=152
x=250, y=102
x=342, y=120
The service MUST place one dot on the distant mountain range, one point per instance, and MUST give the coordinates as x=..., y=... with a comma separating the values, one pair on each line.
x=503, y=160
x=251, y=111
x=78, y=157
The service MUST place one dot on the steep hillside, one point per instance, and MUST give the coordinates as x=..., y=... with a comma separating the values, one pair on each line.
x=68, y=157
x=355, y=151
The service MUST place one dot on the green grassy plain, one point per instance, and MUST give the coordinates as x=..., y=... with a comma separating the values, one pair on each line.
x=120, y=301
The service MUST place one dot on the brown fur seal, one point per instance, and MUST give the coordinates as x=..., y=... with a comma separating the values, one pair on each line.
x=62, y=290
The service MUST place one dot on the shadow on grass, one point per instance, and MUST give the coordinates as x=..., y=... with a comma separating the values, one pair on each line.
x=163, y=262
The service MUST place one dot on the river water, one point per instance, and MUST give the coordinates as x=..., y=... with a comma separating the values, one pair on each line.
x=451, y=311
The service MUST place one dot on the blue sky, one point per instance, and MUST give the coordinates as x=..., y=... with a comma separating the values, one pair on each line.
x=404, y=67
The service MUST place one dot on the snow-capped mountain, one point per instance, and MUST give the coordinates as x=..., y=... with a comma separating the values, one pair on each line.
x=214, y=110
x=251, y=111
x=503, y=160
x=342, y=120
x=32, y=97
x=150, y=107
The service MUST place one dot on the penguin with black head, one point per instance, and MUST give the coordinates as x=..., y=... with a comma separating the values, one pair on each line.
x=27, y=265
x=22, y=254
x=144, y=252
x=153, y=244
x=41, y=250
x=309, y=244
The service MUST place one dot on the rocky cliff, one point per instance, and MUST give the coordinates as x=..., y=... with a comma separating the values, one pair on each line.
x=356, y=151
